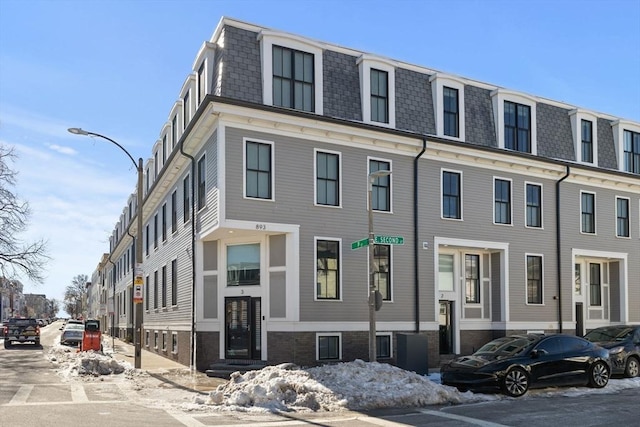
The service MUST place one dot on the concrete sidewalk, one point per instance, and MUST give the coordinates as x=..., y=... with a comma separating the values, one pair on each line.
x=164, y=369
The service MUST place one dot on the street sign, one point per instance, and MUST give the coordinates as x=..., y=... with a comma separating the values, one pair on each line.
x=389, y=240
x=360, y=243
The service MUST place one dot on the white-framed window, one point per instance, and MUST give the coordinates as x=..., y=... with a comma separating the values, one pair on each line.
x=202, y=181
x=595, y=284
x=203, y=70
x=472, y=278
x=155, y=339
x=515, y=120
x=535, y=279
x=587, y=212
x=381, y=199
x=328, y=173
x=174, y=342
x=626, y=138
x=623, y=216
x=258, y=158
x=533, y=205
x=446, y=272
x=451, y=191
x=384, y=345
x=377, y=90
x=448, y=105
x=243, y=264
x=502, y=205
x=584, y=127
x=328, y=273
x=382, y=271
x=292, y=74
x=186, y=109
x=164, y=341
x=329, y=346
x=146, y=338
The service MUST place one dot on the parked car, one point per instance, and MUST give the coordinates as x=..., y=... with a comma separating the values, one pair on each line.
x=623, y=343
x=513, y=364
x=72, y=334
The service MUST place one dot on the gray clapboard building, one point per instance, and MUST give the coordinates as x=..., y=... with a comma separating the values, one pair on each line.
x=517, y=213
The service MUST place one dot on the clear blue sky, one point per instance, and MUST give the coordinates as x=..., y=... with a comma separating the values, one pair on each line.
x=116, y=68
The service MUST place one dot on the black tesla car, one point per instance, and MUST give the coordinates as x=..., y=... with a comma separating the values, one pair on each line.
x=623, y=343
x=513, y=364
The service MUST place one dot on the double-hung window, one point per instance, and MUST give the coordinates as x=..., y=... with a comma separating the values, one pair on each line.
x=472, y=278
x=379, y=96
x=327, y=269
x=502, y=201
x=517, y=127
x=155, y=231
x=258, y=170
x=186, y=198
x=174, y=131
x=146, y=240
x=450, y=111
x=588, y=212
x=534, y=205
x=595, y=285
x=631, y=150
x=174, y=282
x=202, y=83
x=186, y=111
x=155, y=289
x=164, y=286
x=587, y=141
x=327, y=178
x=202, y=180
x=381, y=186
x=164, y=222
x=174, y=211
x=622, y=217
x=382, y=270
x=293, y=79
x=451, y=195
x=534, y=279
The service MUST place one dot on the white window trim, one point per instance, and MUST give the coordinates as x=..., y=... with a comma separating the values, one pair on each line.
x=618, y=127
x=459, y=172
x=595, y=216
x=438, y=82
x=197, y=187
x=616, y=217
x=499, y=96
x=244, y=169
x=188, y=106
x=315, y=270
x=315, y=177
x=390, y=275
x=380, y=159
x=496, y=178
x=269, y=38
x=155, y=339
x=205, y=56
x=328, y=334
x=164, y=341
x=526, y=280
x=463, y=280
x=365, y=63
x=577, y=116
x=538, y=184
x=390, y=335
x=174, y=335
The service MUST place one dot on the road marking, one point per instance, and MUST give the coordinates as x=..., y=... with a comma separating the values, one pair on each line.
x=78, y=394
x=21, y=396
x=469, y=420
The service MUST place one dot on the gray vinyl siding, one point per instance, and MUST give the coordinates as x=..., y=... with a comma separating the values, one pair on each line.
x=294, y=204
x=210, y=213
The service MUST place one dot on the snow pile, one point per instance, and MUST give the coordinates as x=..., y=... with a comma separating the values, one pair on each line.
x=356, y=385
x=89, y=363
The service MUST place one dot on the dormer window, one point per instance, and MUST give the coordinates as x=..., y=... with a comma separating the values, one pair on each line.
x=515, y=119
x=291, y=72
x=202, y=83
x=377, y=89
x=626, y=137
x=186, y=111
x=448, y=104
x=584, y=126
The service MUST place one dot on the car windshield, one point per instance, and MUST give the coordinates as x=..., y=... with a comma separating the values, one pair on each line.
x=505, y=346
x=609, y=334
x=74, y=326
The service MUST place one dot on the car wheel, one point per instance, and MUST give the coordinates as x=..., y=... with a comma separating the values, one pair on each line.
x=599, y=375
x=632, y=368
x=515, y=383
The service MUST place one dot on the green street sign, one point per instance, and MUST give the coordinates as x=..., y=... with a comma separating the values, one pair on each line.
x=389, y=240
x=360, y=243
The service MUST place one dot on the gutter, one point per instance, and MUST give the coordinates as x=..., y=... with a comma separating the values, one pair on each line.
x=192, y=362
x=558, y=248
x=415, y=235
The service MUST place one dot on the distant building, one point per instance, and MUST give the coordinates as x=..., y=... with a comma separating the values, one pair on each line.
x=517, y=213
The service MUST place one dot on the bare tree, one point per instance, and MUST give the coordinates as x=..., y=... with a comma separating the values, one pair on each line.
x=74, y=295
x=17, y=257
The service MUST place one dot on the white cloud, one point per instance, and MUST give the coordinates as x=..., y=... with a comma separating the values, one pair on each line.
x=62, y=150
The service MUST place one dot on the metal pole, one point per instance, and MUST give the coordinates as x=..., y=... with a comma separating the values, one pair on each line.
x=372, y=287
x=137, y=271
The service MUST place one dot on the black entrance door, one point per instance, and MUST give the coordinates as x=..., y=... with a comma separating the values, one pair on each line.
x=446, y=327
x=243, y=328
x=579, y=320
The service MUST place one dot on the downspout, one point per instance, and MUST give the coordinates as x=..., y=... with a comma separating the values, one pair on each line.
x=558, y=248
x=415, y=234
x=192, y=362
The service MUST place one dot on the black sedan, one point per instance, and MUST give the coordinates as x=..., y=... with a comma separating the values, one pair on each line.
x=515, y=363
x=623, y=343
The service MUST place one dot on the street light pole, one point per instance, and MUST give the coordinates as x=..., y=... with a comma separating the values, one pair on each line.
x=372, y=286
x=137, y=281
